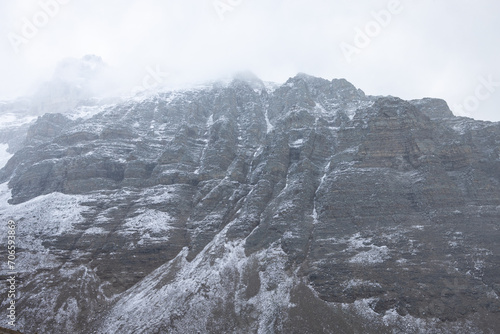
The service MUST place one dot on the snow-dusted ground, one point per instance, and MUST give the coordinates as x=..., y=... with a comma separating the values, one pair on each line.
x=45, y=216
x=8, y=120
x=212, y=279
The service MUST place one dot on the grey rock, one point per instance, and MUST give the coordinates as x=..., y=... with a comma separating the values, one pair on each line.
x=434, y=108
x=311, y=207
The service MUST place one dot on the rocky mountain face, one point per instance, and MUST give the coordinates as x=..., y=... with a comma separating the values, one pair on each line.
x=240, y=208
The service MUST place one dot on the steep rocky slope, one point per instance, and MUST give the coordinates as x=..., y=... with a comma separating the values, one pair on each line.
x=240, y=208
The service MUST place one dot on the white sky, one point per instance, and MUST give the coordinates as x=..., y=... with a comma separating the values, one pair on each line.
x=431, y=48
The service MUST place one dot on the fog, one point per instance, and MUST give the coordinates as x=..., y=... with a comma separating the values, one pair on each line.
x=407, y=48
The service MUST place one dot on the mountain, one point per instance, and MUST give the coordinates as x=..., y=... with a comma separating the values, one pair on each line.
x=246, y=207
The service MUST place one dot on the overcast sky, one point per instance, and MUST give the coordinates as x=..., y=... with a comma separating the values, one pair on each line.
x=407, y=48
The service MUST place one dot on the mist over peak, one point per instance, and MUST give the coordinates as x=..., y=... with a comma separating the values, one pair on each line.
x=73, y=69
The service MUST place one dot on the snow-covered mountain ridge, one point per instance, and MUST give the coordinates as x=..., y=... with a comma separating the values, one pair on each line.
x=309, y=207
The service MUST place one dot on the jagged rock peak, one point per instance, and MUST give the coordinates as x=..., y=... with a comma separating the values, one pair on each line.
x=341, y=87
x=248, y=77
x=71, y=69
x=432, y=107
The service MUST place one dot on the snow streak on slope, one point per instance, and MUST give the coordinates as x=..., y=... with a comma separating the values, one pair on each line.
x=270, y=127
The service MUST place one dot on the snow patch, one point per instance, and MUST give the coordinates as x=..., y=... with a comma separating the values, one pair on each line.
x=315, y=212
x=210, y=121
x=9, y=120
x=271, y=86
x=376, y=254
x=297, y=143
x=319, y=109
x=358, y=282
x=86, y=112
x=4, y=155
x=95, y=230
x=270, y=127
x=158, y=195
x=150, y=220
x=52, y=214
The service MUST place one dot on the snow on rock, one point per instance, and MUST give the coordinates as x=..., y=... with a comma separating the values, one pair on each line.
x=270, y=127
x=150, y=220
x=297, y=143
x=8, y=120
x=49, y=215
x=357, y=282
x=212, y=281
x=376, y=254
x=87, y=112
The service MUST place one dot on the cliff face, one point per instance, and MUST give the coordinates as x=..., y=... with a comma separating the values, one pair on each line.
x=306, y=208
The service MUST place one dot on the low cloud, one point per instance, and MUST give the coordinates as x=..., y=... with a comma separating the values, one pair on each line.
x=428, y=48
